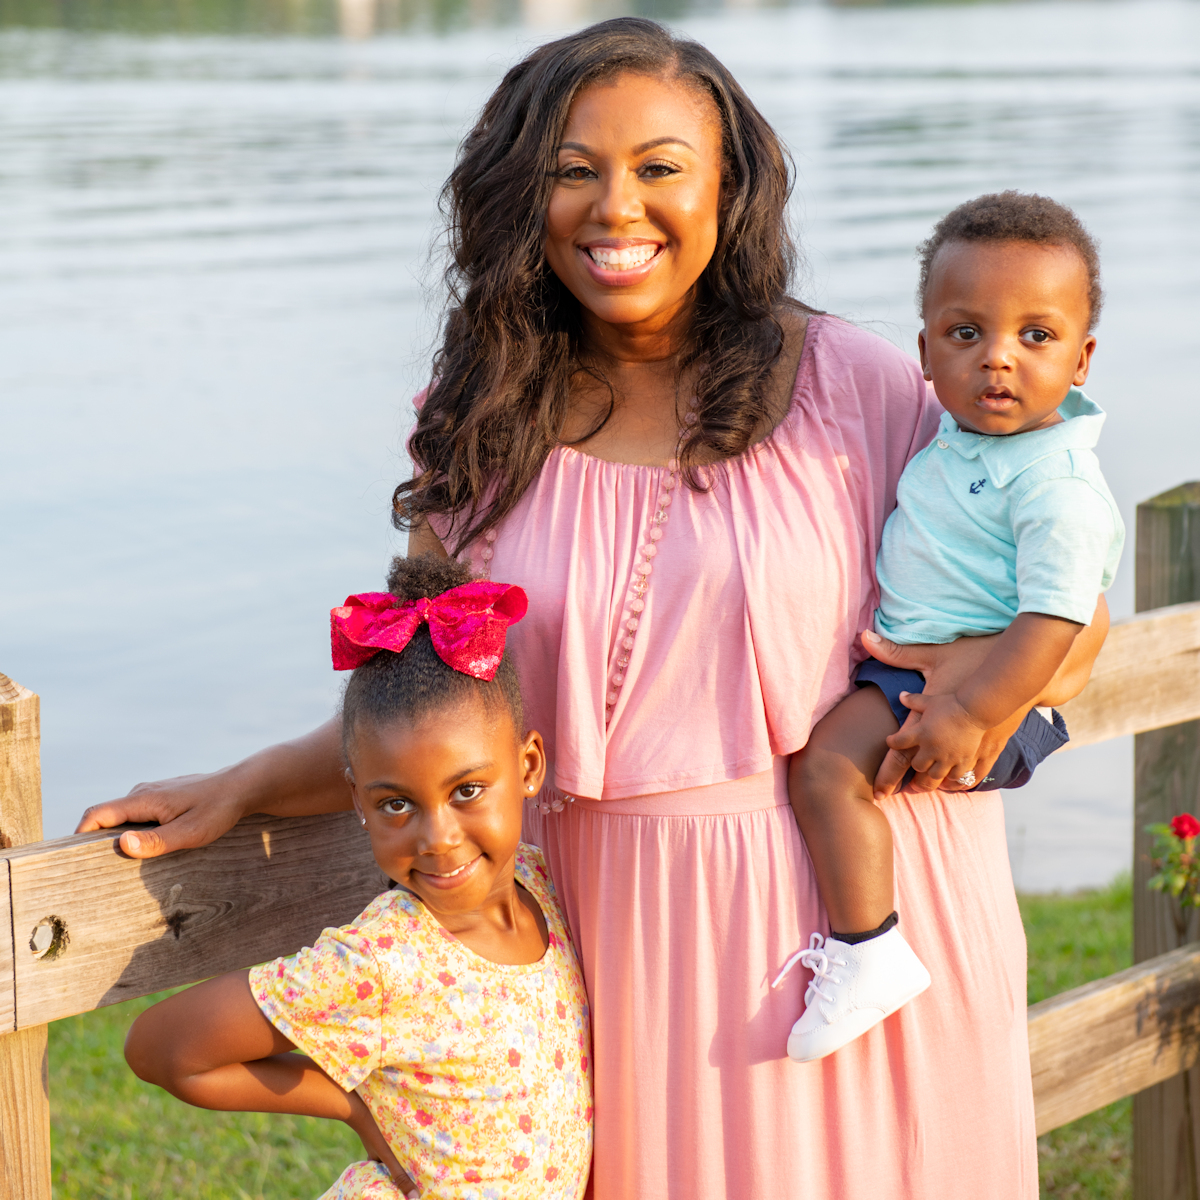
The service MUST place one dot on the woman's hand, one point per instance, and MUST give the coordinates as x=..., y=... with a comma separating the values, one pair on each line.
x=946, y=668
x=299, y=778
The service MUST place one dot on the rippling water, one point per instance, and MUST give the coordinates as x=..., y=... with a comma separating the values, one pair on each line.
x=215, y=298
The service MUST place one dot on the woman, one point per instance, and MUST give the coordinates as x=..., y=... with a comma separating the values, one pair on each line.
x=620, y=259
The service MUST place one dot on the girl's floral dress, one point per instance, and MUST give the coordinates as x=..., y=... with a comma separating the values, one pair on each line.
x=477, y=1073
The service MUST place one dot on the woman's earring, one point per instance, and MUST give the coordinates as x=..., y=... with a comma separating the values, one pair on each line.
x=363, y=821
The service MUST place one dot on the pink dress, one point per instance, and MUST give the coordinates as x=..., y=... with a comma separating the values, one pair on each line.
x=680, y=866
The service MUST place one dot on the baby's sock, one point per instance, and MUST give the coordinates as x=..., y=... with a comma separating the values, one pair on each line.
x=852, y=939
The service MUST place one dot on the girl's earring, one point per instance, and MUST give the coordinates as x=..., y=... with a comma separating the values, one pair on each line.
x=363, y=821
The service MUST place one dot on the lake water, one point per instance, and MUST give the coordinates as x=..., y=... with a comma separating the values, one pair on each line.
x=215, y=299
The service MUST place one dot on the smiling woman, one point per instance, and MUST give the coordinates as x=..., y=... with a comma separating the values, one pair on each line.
x=688, y=472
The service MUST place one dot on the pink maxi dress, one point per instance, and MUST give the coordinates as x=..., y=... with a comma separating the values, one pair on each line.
x=679, y=864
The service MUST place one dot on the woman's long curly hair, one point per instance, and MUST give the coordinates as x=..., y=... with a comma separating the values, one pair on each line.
x=512, y=337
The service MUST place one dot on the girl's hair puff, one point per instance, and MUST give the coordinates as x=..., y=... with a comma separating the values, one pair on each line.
x=413, y=683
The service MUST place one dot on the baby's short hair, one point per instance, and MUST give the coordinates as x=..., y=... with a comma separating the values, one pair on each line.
x=415, y=682
x=1015, y=217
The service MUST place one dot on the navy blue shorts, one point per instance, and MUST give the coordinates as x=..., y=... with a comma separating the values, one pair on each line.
x=1035, y=739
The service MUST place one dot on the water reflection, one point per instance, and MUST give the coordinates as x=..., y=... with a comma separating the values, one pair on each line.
x=351, y=19
x=215, y=287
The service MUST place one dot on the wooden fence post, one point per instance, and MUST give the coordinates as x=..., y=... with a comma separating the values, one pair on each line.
x=1166, y=1117
x=24, y=1077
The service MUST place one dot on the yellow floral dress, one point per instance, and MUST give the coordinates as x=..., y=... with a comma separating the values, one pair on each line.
x=477, y=1073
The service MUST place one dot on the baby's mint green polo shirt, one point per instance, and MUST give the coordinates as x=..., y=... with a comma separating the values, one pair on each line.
x=989, y=527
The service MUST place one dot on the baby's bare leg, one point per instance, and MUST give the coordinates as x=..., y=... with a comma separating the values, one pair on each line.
x=848, y=837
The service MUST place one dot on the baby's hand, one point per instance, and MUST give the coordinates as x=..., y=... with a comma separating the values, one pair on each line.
x=943, y=743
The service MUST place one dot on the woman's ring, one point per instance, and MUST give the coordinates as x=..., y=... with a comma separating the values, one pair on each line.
x=967, y=780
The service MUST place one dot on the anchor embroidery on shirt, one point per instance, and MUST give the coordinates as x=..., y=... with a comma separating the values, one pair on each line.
x=977, y=486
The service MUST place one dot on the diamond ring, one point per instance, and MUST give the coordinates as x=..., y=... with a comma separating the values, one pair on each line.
x=967, y=780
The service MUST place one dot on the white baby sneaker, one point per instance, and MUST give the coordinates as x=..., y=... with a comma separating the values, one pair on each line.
x=853, y=988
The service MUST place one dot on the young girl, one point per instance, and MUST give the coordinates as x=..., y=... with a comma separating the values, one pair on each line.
x=448, y=1024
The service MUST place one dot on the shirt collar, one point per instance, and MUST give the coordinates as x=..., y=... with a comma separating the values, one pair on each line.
x=1004, y=458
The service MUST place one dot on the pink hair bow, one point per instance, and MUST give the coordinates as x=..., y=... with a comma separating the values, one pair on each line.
x=467, y=625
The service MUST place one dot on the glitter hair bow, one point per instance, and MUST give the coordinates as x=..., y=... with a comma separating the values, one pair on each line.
x=467, y=625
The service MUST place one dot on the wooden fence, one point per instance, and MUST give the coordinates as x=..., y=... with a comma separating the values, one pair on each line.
x=82, y=926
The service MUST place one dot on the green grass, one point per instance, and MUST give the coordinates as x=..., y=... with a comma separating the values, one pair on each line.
x=1074, y=939
x=116, y=1138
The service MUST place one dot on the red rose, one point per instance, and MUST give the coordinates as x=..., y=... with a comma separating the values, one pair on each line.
x=558, y=1059
x=423, y=1117
x=551, y=1173
x=359, y=1050
x=365, y=989
x=520, y=1162
x=561, y=1009
x=472, y=1177
x=384, y=943
x=526, y=1124
x=446, y=979
x=423, y=1078
x=514, y=1058
x=1185, y=826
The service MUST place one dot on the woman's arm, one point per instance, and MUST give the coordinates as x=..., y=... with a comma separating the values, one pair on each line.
x=211, y=1047
x=294, y=779
x=947, y=667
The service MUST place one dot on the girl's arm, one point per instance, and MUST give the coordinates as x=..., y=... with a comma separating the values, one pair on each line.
x=211, y=1046
x=294, y=779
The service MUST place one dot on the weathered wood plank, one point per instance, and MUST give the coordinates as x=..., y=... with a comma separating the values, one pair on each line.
x=8, y=979
x=24, y=1080
x=24, y=1115
x=1166, y=771
x=1114, y=1037
x=20, y=765
x=1147, y=676
x=108, y=928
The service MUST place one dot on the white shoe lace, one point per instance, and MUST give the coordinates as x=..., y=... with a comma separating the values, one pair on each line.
x=818, y=962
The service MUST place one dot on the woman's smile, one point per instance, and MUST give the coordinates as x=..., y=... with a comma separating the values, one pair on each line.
x=621, y=262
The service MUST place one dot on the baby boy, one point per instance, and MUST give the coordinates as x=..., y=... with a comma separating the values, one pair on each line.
x=1003, y=525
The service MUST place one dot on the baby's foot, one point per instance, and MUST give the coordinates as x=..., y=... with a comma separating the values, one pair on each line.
x=852, y=989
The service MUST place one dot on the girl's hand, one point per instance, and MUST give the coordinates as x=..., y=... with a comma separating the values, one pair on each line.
x=363, y=1123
